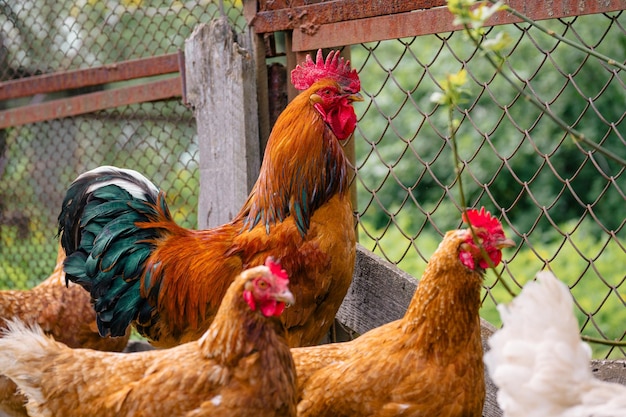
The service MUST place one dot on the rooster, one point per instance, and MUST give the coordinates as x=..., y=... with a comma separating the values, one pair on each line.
x=241, y=366
x=143, y=269
x=428, y=363
x=63, y=313
x=540, y=365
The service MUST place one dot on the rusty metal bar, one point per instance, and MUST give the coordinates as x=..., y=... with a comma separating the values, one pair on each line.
x=307, y=18
x=66, y=80
x=87, y=103
x=437, y=20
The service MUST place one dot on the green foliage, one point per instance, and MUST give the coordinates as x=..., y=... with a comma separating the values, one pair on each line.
x=453, y=90
x=473, y=18
x=563, y=206
x=595, y=282
x=537, y=173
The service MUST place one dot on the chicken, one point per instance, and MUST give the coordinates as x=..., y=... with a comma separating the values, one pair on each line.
x=143, y=269
x=241, y=366
x=428, y=363
x=540, y=365
x=63, y=313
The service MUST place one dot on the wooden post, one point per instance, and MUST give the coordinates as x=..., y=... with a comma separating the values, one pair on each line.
x=221, y=86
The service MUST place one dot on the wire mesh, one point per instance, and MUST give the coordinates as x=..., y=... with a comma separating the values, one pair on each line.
x=41, y=36
x=561, y=203
x=38, y=161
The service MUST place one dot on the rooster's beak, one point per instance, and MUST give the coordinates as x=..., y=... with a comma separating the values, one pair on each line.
x=355, y=97
x=315, y=98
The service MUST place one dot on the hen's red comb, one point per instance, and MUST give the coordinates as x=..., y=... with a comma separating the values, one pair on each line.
x=482, y=219
x=309, y=72
x=276, y=269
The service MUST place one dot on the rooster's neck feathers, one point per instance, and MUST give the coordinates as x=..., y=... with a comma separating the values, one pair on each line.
x=290, y=182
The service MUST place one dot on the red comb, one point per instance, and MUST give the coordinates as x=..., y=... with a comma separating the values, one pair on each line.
x=275, y=268
x=309, y=72
x=482, y=219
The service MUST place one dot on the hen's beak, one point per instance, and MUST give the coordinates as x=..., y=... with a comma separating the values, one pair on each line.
x=286, y=297
x=505, y=243
x=355, y=97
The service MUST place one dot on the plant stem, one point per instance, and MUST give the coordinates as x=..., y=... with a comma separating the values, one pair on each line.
x=621, y=343
x=458, y=169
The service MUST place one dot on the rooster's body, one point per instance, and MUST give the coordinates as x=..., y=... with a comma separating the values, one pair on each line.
x=63, y=313
x=429, y=363
x=142, y=268
x=241, y=366
x=540, y=365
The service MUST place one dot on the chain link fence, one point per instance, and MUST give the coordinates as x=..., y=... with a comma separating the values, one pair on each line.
x=563, y=204
x=38, y=161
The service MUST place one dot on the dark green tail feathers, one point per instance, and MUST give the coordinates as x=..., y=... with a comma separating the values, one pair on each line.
x=106, y=251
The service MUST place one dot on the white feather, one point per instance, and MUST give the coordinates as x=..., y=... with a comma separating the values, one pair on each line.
x=135, y=190
x=540, y=364
x=21, y=348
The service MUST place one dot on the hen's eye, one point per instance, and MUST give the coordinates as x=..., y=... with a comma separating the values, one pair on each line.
x=262, y=285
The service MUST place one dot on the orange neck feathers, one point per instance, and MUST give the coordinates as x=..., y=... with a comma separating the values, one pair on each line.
x=303, y=167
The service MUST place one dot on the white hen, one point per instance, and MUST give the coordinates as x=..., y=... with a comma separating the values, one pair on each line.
x=539, y=363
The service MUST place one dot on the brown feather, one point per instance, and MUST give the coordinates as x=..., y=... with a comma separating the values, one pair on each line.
x=241, y=367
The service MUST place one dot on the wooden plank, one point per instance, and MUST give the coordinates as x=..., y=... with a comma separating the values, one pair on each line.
x=279, y=4
x=437, y=20
x=262, y=92
x=221, y=86
x=307, y=17
x=293, y=58
x=380, y=293
x=66, y=80
x=87, y=103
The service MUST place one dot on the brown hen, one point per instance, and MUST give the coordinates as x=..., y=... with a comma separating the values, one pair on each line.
x=241, y=366
x=63, y=313
x=429, y=363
